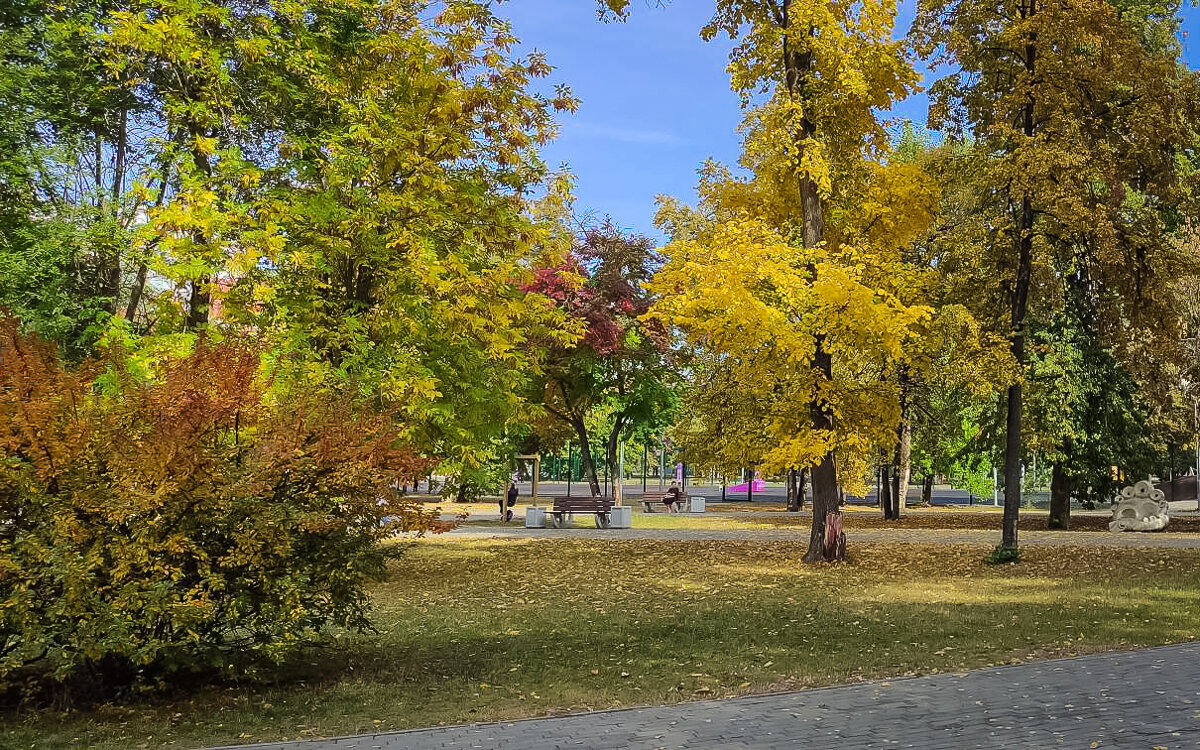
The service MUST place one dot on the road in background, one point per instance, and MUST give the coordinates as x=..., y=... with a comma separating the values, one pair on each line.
x=943, y=495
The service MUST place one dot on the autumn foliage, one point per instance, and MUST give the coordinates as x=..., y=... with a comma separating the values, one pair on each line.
x=173, y=513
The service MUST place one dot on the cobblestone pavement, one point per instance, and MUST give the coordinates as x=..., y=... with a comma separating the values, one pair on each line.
x=1138, y=699
x=918, y=536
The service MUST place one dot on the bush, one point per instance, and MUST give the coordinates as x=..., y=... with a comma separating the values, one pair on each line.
x=200, y=517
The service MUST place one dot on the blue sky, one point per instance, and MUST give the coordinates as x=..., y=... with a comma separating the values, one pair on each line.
x=655, y=98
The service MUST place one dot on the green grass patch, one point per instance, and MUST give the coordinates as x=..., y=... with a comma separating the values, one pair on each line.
x=473, y=630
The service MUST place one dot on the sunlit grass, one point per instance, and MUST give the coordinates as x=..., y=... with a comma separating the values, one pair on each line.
x=477, y=629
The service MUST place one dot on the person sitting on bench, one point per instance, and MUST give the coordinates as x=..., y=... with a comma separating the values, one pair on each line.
x=673, y=499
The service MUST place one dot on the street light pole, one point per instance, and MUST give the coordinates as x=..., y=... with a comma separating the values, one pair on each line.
x=1196, y=422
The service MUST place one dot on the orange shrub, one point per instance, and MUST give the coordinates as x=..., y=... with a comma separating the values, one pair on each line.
x=197, y=518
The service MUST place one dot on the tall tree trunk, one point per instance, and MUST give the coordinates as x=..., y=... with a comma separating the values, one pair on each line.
x=1023, y=245
x=201, y=298
x=585, y=456
x=790, y=484
x=927, y=490
x=1061, y=486
x=801, y=488
x=112, y=279
x=797, y=64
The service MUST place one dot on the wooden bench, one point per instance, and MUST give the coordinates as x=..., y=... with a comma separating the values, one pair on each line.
x=652, y=502
x=564, y=507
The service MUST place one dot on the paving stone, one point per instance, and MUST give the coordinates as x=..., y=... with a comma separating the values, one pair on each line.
x=1066, y=703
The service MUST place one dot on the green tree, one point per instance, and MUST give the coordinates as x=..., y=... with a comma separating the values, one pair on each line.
x=1077, y=125
x=624, y=369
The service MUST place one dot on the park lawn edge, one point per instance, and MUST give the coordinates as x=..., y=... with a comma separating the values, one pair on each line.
x=348, y=699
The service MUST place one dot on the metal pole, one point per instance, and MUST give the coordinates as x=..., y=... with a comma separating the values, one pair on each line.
x=1033, y=481
x=619, y=487
x=1196, y=417
x=749, y=485
x=645, y=458
x=569, y=466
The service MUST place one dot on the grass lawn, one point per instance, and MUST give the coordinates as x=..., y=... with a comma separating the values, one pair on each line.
x=472, y=630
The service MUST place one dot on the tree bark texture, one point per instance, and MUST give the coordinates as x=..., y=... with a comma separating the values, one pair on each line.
x=1023, y=245
x=612, y=446
x=198, y=304
x=585, y=456
x=927, y=490
x=1060, y=497
x=905, y=464
x=797, y=65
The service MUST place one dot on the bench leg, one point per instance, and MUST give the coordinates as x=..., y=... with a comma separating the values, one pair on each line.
x=552, y=520
x=602, y=520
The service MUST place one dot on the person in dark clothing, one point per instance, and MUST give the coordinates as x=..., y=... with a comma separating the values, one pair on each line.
x=673, y=499
x=507, y=504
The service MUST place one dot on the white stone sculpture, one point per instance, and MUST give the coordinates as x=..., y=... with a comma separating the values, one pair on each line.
x=1140, y=508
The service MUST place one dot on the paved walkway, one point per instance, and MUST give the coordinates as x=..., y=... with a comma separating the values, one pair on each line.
x=1140, y=699
x=918, y=536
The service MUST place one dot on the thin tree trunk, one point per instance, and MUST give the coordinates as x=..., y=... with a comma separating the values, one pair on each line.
x=135, y=293
x=112, y=280
x=790, y=484
x=585, y=456
x=885, y=488
x=611, y=448
x=801, y=488
x=927, y=490
x=1023, y=242
x=139, y=284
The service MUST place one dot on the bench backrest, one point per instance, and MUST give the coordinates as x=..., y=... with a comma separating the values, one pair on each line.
x=583, y=504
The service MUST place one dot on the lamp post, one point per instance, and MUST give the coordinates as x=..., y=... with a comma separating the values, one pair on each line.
x=1189, y=388
x=1196, y=426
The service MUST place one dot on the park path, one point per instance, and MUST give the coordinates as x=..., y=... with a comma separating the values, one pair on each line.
x=1146, y=699
x=1160, y=540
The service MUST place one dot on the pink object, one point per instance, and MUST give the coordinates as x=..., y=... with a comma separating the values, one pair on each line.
x=759, y=486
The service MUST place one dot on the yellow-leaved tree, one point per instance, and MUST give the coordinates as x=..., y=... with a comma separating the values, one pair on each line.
x=789, y=277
